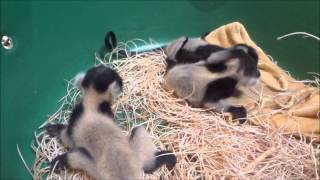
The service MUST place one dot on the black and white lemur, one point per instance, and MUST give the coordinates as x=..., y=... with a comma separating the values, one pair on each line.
x=96, y=144
x=208, y=75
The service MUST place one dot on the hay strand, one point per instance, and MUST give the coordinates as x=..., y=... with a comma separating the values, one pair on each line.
x=259, y=159
x=23, y=161
x=299, y=33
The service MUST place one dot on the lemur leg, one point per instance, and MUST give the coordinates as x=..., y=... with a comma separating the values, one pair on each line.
x=161, y=158
x=216, y=94
x=237, y=112
x=220, y=56
x=78, y=158
x=60, y=131
x=141, y=142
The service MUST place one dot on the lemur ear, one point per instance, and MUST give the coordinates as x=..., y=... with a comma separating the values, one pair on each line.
x=115, y=89
x=174, y=47
x=242, y=47
x=78, y=80
x=204, y=35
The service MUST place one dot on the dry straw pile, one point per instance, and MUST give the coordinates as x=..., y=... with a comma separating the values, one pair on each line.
x=207, y=145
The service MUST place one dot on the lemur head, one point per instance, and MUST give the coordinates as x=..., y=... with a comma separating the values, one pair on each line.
x=248, y=68
x=100, y=82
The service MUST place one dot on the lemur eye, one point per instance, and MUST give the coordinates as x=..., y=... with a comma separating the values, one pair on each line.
x=257, y=74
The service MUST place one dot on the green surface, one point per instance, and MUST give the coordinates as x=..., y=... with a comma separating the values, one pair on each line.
x=55, y=40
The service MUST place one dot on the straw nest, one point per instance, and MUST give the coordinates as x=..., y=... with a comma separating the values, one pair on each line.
x=206, y=144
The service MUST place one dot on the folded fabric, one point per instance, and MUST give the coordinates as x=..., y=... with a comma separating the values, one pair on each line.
x=279, y=100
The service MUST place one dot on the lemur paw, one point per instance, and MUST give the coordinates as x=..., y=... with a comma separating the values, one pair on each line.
x=239, y=113
x=54, y=129
x=170, y=159
x=59, y=163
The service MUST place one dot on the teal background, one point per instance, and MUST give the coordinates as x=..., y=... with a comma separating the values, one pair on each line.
x=56, y=39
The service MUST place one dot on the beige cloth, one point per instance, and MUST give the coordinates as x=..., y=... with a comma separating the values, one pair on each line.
x=283, y=102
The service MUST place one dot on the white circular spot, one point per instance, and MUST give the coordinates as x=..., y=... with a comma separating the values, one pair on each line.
x=6, y=42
